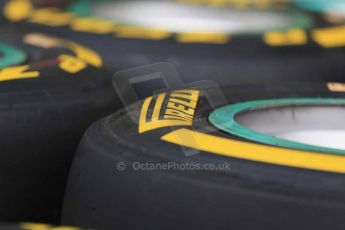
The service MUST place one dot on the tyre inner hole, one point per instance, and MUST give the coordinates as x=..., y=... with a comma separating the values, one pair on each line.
x=188, y=18
x=318, y=125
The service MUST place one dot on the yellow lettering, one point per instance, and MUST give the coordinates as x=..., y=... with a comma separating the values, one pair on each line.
x=330, y=37
x=202, y=37
x=37, y=226
x=71, y=64
x=179, y=107
x=51, y=17
x=17, y=72
x=93, y=25
x=294, y=36
x=142, y=33
x=17, y=10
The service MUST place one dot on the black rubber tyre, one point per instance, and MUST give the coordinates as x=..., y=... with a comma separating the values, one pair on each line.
x=44, y=112
x=106, y=190
x=226, y=59
x=47, y=102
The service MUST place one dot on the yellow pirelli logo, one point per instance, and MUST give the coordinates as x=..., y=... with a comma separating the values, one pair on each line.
x=176, y=108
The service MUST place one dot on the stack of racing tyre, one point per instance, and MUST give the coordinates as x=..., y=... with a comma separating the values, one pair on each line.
x=172, y=114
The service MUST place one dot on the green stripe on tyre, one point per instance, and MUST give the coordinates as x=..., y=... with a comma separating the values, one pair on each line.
x=224, y=119
x=323, y=5
x=11, y=55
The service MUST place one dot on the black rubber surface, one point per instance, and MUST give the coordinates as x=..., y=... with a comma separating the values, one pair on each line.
x=251, y=195
x=42, y=120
